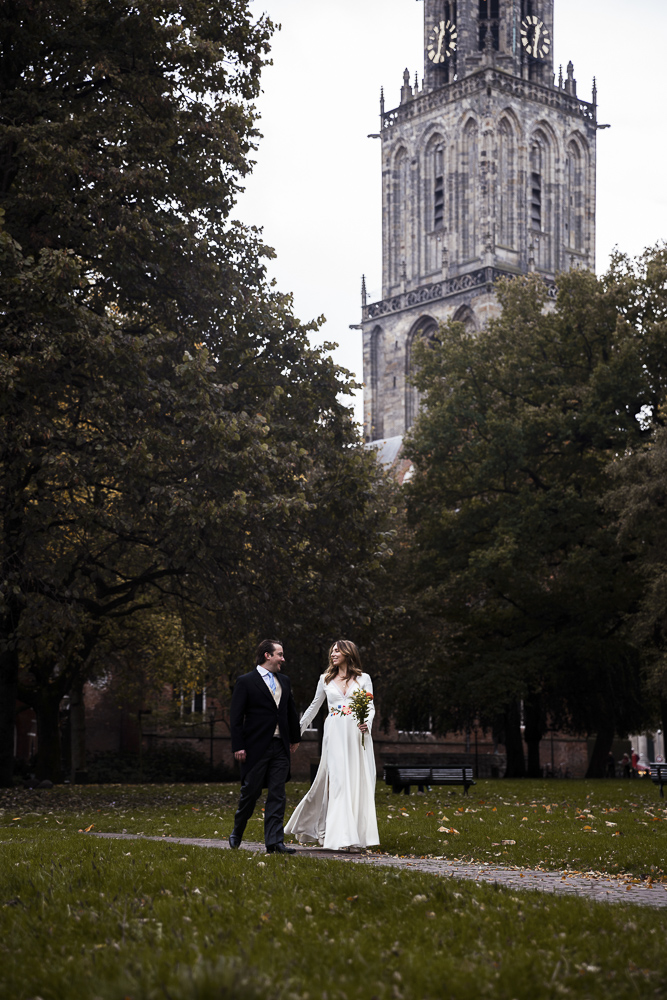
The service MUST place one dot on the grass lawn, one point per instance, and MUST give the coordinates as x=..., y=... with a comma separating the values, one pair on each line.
x=86, y=918
x=618, y=827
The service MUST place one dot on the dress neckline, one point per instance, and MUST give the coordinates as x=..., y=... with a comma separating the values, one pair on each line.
x=354, y=681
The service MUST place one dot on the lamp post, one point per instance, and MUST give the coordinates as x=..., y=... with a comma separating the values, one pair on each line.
x=211, y=722
x=140, y=713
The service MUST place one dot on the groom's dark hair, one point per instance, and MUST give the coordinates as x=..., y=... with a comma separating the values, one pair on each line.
x=266, y=646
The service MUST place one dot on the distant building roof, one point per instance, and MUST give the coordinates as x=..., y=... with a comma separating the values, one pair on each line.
x=387, y=448
x=389, y=454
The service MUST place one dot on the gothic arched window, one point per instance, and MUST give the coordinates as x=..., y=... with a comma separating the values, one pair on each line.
x=435, y=207
x=539, y=201
x=438, y=166
x=536, y=185
x=506, y=187
x=424, y=329
x=465, y=315
x=468, y=183
x=400, y=215
x=489, y=23
x=574, y=197
x=376, y=365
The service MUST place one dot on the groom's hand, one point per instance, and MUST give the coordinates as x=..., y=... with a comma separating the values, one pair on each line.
x=240, y=755
x=294, y=747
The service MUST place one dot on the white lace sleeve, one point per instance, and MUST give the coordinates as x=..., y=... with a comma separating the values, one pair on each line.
x=314, y=706
x=368, y=684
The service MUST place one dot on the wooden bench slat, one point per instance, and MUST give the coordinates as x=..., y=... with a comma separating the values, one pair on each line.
x=659, y=776
x=401, y=776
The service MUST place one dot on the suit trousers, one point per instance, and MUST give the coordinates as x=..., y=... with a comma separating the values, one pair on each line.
x=270, y=771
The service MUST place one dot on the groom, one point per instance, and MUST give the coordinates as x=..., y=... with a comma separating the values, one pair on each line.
x=265, y=729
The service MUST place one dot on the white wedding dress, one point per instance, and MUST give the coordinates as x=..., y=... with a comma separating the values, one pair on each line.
x=339, y=809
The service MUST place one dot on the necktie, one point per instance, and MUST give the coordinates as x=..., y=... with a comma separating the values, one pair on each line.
x=272, y=683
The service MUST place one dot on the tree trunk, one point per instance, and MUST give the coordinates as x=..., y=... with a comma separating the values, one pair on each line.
x=9, y=672
x=77, y=718
x=516, y=765
x=49, y=759
x=603, y=741
x=533, y=733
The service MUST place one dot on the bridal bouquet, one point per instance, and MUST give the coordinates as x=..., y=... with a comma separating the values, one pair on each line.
x=359, y=707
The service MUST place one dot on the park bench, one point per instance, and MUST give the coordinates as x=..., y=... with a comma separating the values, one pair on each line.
x=659, y=776
x=401, y=777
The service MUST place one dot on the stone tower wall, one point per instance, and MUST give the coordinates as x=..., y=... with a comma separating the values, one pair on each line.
x=492, y=173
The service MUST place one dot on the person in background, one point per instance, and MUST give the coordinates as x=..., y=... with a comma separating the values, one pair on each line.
x=611, y=765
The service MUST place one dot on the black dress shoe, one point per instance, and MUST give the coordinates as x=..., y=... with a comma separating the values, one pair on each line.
x=234, y=840
x=280, y=849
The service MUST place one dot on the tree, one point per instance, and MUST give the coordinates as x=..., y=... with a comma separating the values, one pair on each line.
x=170, y=442
x=638, y=502
x=125, y=130
x=513, y=541
x=637, y=496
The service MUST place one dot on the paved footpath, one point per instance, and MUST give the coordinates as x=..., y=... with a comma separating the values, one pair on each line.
x=591, y=885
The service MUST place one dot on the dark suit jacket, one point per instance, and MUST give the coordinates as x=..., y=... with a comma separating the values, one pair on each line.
x=254, y=715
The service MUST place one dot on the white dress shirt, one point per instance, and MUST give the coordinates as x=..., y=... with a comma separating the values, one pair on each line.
x=265, y=674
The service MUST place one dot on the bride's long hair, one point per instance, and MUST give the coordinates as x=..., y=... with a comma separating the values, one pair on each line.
x=351, y=661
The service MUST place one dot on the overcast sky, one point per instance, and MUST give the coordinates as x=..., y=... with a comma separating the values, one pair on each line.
x=315, y=189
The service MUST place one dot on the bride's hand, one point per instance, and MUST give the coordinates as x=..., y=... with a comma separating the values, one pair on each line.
x=362, y=727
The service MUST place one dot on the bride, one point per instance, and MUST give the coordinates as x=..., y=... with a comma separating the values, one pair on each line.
x=339, y=810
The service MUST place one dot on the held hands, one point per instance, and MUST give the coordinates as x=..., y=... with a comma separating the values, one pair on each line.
x=240, y=755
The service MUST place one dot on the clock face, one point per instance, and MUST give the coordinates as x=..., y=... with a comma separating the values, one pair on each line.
x=535, y=37
x=441, y=42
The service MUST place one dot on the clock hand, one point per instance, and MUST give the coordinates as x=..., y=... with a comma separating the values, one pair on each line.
x=536, y=43
x=440, y=39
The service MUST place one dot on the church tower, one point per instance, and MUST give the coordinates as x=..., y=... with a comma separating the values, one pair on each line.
x=488, y=170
